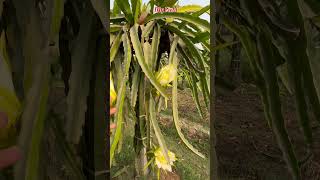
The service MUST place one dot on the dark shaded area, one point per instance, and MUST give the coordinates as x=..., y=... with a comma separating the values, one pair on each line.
x=246, y=146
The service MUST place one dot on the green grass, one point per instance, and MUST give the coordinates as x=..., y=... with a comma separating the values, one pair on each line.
x=125, y=159
x=189, y=165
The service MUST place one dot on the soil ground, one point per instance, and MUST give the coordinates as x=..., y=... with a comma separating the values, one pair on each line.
x=246, y=147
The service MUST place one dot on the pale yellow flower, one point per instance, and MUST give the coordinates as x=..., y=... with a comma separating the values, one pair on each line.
x=113, y=94
x=161, y=161
x=166, y=74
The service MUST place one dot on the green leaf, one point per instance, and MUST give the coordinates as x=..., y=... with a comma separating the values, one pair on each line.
x=120, y=172
x=58, y=11
x=201, y=37
x=115, y=10
x=189, y=8
x=186, y=29
x=128, y=53
x=33, y=119
x=9, y=103
x=276, y=18
x=141, y=114
x=278, y=125
x=176, y=114
x=117, y=19
x=189, y=63
x=314, y=55
x=37, y=71
x=205, y=9
x=124, y=6
x=299, y=65
x=119, y=120
x=136, y=9
x=173, y=49
x=147, y=29
x=193, y=84
x=115, y=47
x=139, y=54
x=147, y=54
x=115, y=28
x=118, y=70
x=189, y=45
x=135, y=83
x=154, y=122
x=182, y=16
x=119, y=116
x=205, y=90
x=224, y=45
x=284, y=76
x=155, y=46
x=33, y=156
x=196, y=14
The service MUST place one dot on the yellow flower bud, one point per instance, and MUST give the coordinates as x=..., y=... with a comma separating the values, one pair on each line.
x=113, y=94
x=166, y=74
x=161, y=161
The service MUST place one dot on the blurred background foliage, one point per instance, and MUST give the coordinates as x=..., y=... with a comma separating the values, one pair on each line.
x=52, y=87
x=278, y=45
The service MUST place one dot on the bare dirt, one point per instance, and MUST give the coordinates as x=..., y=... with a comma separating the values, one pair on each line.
x=246, y=147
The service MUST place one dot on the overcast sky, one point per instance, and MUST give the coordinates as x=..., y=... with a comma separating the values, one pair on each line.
x=184, y=2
